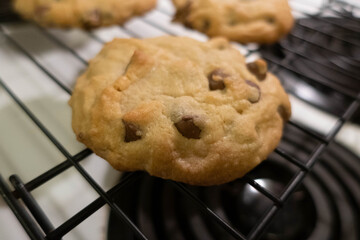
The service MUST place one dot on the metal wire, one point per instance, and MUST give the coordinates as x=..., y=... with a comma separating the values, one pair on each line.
x=70, y=158
x=298, y=73
x=29, y=225
x=22, y=191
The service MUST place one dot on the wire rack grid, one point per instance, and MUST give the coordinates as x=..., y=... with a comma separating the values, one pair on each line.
x=34, y=219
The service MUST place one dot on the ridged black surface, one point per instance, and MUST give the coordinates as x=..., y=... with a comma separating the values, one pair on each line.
x=326, y=206
x=327, y=50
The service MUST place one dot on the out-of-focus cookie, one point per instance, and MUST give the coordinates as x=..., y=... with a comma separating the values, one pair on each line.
x=244, y=21
x=179, y=109
x=85, y=14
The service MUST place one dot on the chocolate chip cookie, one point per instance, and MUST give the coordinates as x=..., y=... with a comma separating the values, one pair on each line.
x=85, y=14
x=179, y=109
x=261, y=21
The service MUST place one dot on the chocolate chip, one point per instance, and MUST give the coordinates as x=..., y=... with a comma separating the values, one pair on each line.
x=107, y=16
x=216, y=79
x=205, y=25
x=256, y=98
x=283, y=113
x=258, y=68
x=92, y=19
x=132, y=132
x=221, y=47
x=41, y=10
x=233, y=22
x=81, y=136
x=183, y=12
x=187, y=127
x=270, y=20
x=233, y=18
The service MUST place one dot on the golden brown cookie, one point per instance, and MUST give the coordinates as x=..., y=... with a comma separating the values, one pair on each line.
x=85, y=14
x=179, y=109
x=244, y=21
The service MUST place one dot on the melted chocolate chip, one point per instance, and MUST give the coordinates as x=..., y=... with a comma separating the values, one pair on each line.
x=92, y=19
x=205, y=25
x=187, y=127
x=41, y=10
x=182, y=13
x=254, y=85
x=283, y=113
x=233, y=22
x=222, y=47
x=270, y=20
x=258, y=68
x=81, y=136
x=216, y=79
x=233, y=18
x=132, y=132
x=107, y=15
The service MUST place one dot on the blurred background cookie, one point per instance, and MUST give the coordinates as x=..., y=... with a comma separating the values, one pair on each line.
x=260, y=21
x=85, y=14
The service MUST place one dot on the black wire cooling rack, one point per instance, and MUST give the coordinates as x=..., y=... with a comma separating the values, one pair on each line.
x=38, y=226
